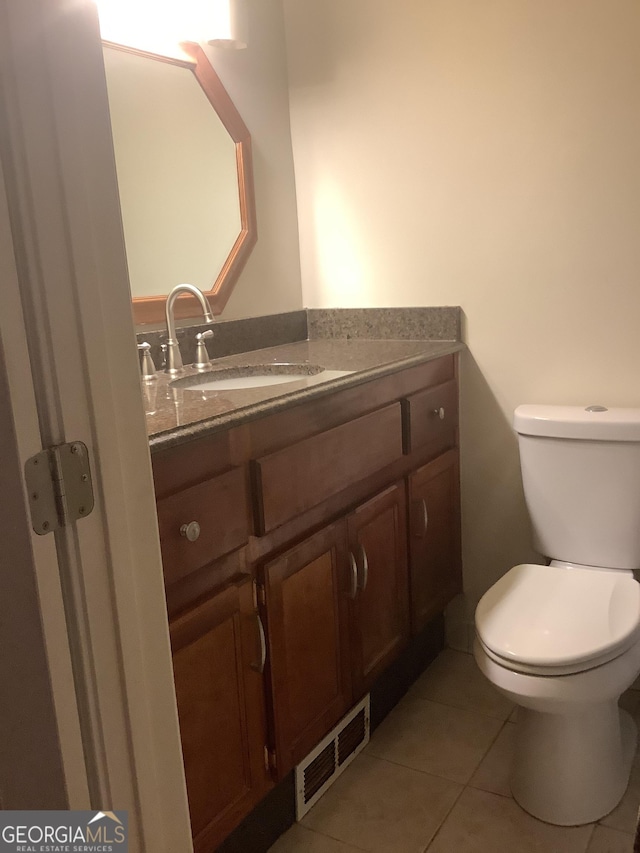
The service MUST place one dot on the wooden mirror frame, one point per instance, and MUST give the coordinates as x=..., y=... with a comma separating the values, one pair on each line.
x=150, y=309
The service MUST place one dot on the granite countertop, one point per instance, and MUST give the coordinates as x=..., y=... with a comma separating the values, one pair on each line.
x=175, y=415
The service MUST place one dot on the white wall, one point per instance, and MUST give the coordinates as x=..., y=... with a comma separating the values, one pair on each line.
x=481, y=153
x=256, y=79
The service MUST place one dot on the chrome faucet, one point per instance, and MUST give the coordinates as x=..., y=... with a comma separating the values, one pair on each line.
x=174, y=357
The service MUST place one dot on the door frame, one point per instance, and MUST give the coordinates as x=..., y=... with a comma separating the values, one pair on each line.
x=71, y=374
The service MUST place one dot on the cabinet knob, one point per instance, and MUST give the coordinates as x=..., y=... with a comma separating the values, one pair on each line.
x=190, y=531
x=439, y=412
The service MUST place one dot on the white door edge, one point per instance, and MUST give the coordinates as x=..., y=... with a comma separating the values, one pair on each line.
x=39, y=554
x=74, y=296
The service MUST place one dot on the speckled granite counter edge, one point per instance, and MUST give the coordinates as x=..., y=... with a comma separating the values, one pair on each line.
x=200, y=429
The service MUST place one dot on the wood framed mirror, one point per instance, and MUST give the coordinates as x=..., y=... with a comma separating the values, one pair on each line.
x=185, y=175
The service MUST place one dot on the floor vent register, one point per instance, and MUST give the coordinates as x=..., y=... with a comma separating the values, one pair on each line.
x=332, y=755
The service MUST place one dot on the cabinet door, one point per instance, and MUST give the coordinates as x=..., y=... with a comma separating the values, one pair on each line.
x=380, y=607
x=221, y=706
x=436, y=570
x=307, y=625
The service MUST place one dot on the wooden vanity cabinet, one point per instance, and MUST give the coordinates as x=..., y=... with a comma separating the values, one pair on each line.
x=434, y=541
x=217, y=659
x=339, y=523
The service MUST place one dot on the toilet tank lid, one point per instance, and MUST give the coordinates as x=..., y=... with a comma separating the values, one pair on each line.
x=581, y=422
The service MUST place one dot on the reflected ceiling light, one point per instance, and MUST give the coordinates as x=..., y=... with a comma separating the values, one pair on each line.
x=143, y=24
x=227, y=24
x=160, y=25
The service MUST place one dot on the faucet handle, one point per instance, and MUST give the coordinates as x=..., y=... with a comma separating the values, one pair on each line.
x=148, y=368
x=202, y=361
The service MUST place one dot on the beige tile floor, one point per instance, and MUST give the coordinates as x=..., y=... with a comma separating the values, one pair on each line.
x=435, y=778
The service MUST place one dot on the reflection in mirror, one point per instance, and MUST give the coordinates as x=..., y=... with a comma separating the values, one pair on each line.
x=184, y=174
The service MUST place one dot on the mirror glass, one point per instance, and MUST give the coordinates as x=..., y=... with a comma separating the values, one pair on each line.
x=178, y=174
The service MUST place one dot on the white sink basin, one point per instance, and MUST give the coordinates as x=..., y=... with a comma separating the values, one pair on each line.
x=250, y=376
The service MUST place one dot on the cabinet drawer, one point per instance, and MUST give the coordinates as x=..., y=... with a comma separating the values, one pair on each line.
x=219, y=506
x=423, y=423
x=296, y=478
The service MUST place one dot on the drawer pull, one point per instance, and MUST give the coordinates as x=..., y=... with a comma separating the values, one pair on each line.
x=422, y=532
x=365, y=568
x=190, y=531
x=354, y=576
x=259, y=667
x=439, y=412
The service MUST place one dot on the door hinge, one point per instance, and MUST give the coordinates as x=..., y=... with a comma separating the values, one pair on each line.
x=59, y=486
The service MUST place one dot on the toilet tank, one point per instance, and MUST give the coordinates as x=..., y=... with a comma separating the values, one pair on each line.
x=581, y=477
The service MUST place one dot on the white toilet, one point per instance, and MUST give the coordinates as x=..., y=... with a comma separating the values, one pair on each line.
x=563, y=641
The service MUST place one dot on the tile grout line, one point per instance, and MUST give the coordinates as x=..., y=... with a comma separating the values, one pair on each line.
x=508, y=797
x=333, y=838
x=460, y=708
x=491, y=745
x=416, y=770
x=590, y=839
x=464, y=785
x=442, y=822
x=464, y=788
x=450, y=705
x=437, y=775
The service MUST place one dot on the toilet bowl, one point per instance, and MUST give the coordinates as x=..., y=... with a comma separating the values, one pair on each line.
x=574, y=746
x=562, y=641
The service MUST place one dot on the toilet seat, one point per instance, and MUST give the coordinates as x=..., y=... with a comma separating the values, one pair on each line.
x=568, y=669
x=554, y=620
